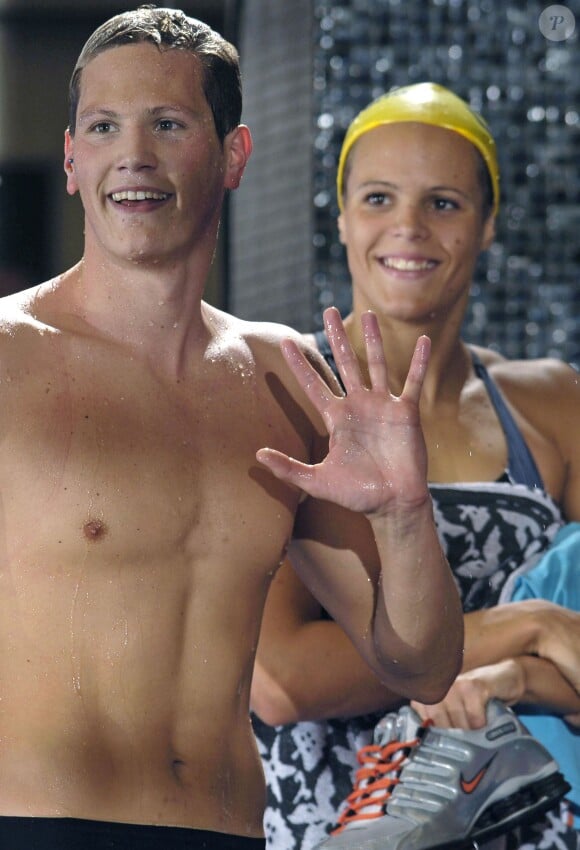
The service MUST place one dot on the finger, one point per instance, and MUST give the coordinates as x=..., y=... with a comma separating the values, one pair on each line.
x=475, y=714
x=287, y=469
x=444, y=716
x=417, y=370
x=309, y=379
x=473, y=695
x=344, y=357
x=375, y=352
x=436, y=713
x=420, y=709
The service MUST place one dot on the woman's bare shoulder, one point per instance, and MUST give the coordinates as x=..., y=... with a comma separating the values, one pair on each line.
x=534, y=375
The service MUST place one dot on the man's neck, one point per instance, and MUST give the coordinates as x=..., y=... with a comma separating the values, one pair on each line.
x=156, y=311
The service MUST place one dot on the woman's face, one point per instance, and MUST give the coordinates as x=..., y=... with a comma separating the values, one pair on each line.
x=413, y=222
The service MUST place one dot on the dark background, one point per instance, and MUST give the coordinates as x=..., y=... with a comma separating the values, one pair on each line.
x=308, y=67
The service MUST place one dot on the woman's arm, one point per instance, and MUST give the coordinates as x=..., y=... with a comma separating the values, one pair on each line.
x=526, y=680
x=308, y=669
x=529, y=627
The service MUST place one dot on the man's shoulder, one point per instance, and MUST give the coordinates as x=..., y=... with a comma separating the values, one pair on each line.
x=271, y=335
x=267, y=333
x=261, y=342
x=264, y=338
x=15, y=311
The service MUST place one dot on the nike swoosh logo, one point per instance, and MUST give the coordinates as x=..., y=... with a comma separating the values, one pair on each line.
x=468, y=786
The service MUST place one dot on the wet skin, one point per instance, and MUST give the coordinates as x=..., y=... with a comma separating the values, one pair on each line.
x=139, y=533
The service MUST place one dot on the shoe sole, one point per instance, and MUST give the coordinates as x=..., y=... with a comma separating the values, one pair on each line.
x=520, y=808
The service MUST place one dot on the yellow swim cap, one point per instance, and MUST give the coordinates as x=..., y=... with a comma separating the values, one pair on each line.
x=426, y=103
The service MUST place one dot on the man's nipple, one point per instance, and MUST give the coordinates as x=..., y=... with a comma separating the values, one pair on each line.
x=94, y=529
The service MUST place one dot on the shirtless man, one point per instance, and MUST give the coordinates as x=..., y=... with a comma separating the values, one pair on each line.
x=143, y=519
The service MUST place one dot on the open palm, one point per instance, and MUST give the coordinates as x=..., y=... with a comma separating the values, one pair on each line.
x=376, y=453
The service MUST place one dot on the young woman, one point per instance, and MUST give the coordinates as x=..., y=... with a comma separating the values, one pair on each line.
x=418, y=189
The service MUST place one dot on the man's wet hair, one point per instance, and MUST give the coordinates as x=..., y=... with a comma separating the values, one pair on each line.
x=171, y=29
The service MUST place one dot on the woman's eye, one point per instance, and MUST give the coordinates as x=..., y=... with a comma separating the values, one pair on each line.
x=445, y=204
x=376, y=199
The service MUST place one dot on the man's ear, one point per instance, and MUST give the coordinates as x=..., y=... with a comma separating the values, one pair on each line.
x=239, y=147
x=69, y=163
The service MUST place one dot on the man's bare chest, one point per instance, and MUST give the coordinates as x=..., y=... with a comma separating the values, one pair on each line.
x=138, y=465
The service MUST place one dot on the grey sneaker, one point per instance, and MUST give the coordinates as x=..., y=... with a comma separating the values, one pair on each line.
x=421, y=787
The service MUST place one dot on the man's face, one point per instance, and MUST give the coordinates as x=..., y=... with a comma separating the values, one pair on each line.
x=149, y=167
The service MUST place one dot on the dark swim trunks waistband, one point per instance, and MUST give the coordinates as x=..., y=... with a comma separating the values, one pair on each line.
x=22, y=833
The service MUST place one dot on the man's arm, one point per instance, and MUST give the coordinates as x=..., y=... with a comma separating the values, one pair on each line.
x=366, y=542
x=306, y=666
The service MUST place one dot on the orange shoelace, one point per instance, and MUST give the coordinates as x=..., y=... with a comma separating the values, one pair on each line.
x=372, y=786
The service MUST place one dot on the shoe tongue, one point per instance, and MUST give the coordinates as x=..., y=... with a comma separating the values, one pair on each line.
x=402, y=726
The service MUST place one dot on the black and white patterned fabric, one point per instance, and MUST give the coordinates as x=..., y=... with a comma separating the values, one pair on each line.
x=309, y=770
x=553, y=832
x=491, y=533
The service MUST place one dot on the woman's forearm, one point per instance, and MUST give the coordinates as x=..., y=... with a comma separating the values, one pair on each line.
x=529, y=627
x=320, y=675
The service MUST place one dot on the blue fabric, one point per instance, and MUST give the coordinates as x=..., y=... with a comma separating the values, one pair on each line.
x=521, y=464
x=556, y=577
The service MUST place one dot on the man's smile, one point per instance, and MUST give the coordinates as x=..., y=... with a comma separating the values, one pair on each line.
x=131, y=195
